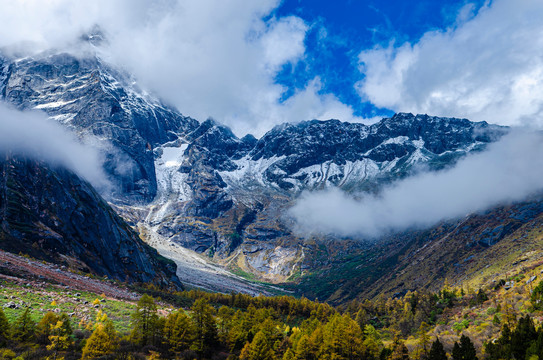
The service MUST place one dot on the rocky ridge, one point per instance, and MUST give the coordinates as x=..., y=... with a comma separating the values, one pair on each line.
x=199, y=186
x=234, y=192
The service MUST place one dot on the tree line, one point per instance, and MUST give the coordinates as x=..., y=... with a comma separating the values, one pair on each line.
x=237, y=326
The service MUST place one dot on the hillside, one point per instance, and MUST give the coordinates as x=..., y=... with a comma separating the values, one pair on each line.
x=477, y=250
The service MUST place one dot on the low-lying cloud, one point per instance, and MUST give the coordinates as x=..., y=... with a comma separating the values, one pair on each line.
x=33, y=135
x=488, y=66
x=509, y=170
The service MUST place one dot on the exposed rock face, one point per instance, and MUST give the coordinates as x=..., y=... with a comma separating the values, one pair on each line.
x=238, y=189
x=53, y=215
x=315, y=154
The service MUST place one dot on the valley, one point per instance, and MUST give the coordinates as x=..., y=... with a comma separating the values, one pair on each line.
x=199, y=272
x=271, y=180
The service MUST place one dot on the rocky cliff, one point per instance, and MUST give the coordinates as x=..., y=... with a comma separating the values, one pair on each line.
x=53, y=215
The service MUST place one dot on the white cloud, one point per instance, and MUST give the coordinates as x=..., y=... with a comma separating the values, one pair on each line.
x=283, y=42
x=31, y=134
x=510, y=170
x=306, y=104
x=488, y=67
x=210, y=58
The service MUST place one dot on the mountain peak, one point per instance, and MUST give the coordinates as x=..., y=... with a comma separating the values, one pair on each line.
x=94, y=36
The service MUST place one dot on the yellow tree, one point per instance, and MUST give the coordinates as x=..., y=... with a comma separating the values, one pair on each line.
x=4, y=328
x=205, y=326
x=60, y=337
x=43, y=329
x=305, y=349
x=342, y=339
x=372, y=342
x=423, y=342
x=103, y=341
x=258, y=349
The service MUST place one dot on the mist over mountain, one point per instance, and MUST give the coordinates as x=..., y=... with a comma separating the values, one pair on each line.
x=508, y=171
x=32, y=135
x=200, y=186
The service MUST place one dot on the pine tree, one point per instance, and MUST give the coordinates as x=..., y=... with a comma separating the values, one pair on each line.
x=522, y=337
x=536, y=348
x=239, y=335
x=144, y=321
x=372, y=342
x=342, y=338
x=289, y=355
x=500, y=349
x=66, y=328
x=468, y=349
x=245, y=353
x=205, y=327
x=456, y=352
x=465, y=350
x=304, y=349
x=361, y=318
x=179, y=331
x=4, y=329
x=424, y=339
x=258, y=349
x=270, y=331
x=24, y=328
x=43, y=329
x=436, y=351
x=60, y=336
x=225, y=316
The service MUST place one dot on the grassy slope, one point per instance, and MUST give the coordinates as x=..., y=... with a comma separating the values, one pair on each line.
x=51, y=298
x=475, y=250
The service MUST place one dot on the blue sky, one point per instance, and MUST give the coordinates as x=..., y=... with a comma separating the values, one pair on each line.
x=339, y=30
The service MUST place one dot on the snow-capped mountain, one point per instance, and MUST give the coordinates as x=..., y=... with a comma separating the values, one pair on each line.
x=103, y=106
x=199, y=186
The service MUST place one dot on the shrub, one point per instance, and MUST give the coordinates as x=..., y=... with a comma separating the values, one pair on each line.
x=459, y=326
